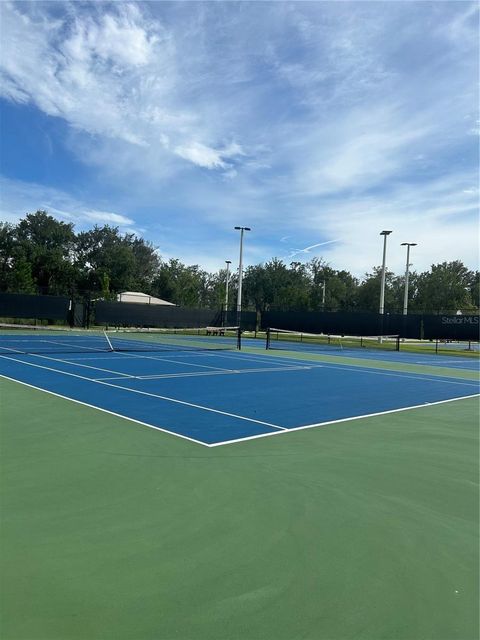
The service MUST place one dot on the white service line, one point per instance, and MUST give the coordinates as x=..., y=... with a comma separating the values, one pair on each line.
x=159, y=358
x=195, y=354
x=145, y=393
x=227, y=354
x=118, y=373
x=114, y=354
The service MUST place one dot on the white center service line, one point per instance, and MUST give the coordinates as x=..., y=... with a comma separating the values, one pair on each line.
x=222, y=372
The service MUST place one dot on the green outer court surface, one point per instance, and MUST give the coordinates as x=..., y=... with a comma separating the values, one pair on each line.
x=361, y=530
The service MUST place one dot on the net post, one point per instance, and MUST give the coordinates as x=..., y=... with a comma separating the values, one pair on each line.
x=267, y=342
x=397, y=343
x=108, y=340
x=239, y=338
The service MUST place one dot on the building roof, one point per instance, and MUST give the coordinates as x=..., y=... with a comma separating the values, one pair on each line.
x=141, y=298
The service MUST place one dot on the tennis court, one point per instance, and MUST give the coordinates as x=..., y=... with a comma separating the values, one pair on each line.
x=359, y=521
x=199, y=387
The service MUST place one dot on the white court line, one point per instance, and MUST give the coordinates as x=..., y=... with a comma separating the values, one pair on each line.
x=363, y=369
x=77, y=364
x=159, y=358
x=43, y=340
x=280, y=429
x=433, y=361
x=112, y=413
x=118, y=374
x=450, y=361
x=222, y=372
x=212, y=354
x=399, y=374
x=329, y=422
x=352, y=365
x=188, y=364
x=216, y=370
x=145, y=393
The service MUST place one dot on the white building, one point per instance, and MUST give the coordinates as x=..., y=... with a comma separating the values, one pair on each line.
x=141, y=298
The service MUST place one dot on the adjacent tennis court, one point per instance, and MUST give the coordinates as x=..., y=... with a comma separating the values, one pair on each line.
x=360, y=520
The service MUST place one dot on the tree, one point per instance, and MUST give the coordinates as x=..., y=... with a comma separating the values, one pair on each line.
x=271, y=285
x=146, y=262
x=475, y=290
x=45, y=244
x=214, y=295
x=127, y=261
x=368, y=296
x=184, y=285
x=447, y=287
x=7, y=245
x=340, y=287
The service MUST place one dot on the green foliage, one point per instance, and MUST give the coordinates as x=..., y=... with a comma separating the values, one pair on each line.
x=43, y=255
x=449, y=286
x=368, y=294
x=182, y=285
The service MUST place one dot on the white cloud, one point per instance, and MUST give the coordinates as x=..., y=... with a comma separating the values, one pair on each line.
x=108, y=218
x=204, y=156
x=201, y=155
x=308, y=250
x=88, y=70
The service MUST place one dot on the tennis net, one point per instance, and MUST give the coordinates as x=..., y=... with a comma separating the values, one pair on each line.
x=15, y=339
x=301, y=341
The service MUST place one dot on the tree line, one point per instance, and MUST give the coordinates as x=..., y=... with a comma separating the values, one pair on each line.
x=43, y=255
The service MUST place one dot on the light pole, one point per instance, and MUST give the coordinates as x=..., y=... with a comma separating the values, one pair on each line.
x=405, y=298
x=323, y=296
x=382, y=286
x=240, y=274
x=225, y=317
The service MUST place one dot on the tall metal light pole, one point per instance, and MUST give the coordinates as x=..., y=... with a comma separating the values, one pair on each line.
x=382, y=286
x=240, y=275
x=225, y=317
x=323, y=296
x=405, y=298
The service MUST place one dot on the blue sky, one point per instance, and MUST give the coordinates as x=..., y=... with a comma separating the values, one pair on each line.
x=318, y=124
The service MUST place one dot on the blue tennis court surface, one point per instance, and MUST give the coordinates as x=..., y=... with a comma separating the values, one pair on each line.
x=428, y=357
x=216, y=398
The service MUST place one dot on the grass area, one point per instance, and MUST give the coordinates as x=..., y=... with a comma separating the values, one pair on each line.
x=365, y=530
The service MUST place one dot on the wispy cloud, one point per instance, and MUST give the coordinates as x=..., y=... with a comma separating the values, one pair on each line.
x=308, y=250
x=19, y=198
x=303, y=120
x=108, y=218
